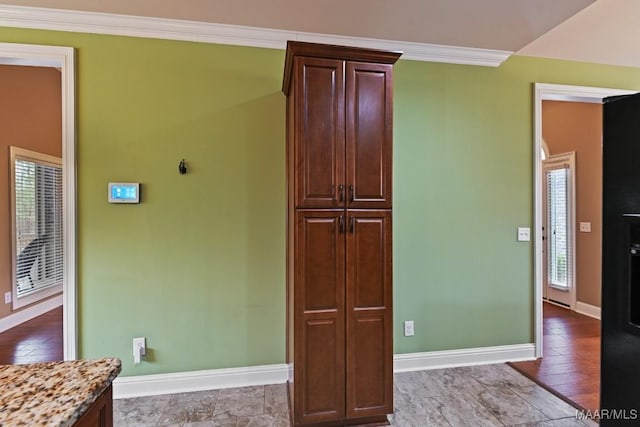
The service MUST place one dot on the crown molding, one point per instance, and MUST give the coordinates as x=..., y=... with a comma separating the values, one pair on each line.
x=204, y=32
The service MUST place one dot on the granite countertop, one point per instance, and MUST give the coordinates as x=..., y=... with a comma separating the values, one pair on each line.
x=52, y=393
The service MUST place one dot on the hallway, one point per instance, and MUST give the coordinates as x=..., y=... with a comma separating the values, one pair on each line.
x=37, y=340
x=570, y=366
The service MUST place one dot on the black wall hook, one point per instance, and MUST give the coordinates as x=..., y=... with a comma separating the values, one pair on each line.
x=182, y=167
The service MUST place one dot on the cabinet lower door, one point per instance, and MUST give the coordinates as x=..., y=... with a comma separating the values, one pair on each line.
x=319, y=365
x=369, y=346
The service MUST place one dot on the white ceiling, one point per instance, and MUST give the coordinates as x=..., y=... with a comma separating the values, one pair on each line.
x=601, y=31
x=606, y=32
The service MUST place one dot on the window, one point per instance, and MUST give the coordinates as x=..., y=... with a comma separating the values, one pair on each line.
x=36, y=196
x=558, y=193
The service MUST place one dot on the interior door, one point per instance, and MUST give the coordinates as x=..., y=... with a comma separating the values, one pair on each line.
x=558, y=229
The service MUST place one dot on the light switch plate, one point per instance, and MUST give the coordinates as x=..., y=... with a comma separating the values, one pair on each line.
x=585, y=227
x=7, y=297
x=524, y=234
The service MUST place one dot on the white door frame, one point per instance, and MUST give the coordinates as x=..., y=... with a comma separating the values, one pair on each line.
x=62, y=58
x=554, y=92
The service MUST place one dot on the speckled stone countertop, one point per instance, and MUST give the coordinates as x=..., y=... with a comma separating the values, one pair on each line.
x=53, y=393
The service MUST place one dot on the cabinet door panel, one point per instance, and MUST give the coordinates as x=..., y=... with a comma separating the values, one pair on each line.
x=320, y=327
x=369, y=135
x=320, y=260
x=319, y=132
x=324, y=379
x=369, y=314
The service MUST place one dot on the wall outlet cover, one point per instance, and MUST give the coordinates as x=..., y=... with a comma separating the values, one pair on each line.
x=524, y=234
x=585, y=227
x=408, y=328
x=7, y=298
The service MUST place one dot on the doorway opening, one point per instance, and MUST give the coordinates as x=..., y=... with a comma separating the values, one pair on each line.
x=571, y=369
x=553, y=92
x=62, y=60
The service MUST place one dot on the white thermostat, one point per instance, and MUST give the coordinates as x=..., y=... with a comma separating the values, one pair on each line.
x=124, y=192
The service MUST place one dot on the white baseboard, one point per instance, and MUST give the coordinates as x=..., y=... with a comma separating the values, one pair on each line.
x=14, y=319
x=183, y=382
x=588, y=310
x=464, y=357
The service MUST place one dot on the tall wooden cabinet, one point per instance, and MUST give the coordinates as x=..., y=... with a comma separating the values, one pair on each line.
x=339, y=290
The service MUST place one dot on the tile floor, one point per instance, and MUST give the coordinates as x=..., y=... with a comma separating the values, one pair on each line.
x=478, y=396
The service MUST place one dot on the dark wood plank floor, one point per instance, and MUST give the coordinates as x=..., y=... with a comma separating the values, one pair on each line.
x=37, y=340
x=570, y=366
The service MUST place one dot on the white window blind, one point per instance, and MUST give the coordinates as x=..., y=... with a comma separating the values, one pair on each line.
x=558, y=236
x=38, y=248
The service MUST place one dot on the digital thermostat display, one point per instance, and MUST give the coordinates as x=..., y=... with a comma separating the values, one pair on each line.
x=124, y=192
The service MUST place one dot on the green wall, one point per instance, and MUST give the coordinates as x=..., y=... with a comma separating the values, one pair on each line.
x=198, y=267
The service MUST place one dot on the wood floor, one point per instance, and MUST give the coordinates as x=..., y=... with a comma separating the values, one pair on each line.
x=571, y=364
x=37, y=340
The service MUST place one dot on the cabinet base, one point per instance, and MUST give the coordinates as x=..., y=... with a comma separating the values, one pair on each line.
x=356, y=422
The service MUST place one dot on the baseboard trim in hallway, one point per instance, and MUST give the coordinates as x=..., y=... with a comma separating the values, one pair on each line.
x=588, y=310
x=182, y=382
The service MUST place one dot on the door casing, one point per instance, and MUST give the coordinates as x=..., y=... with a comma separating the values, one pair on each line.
x=554, y=92
x=62, y=58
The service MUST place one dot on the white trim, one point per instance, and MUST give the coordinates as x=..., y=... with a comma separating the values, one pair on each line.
x=62, y=57
x=183, y=382
x=544, y=91
x=463, y=357
x=204, y=32
x=19, y=317
x=69, y=202
x=588, y=310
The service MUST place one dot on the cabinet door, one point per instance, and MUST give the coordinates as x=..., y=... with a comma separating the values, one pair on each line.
x=369, y=135
x=320, y=330
x=320, y=156
x=369, y=314
x=100, y=413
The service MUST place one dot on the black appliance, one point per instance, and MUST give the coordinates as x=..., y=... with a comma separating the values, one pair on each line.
x=620, y=361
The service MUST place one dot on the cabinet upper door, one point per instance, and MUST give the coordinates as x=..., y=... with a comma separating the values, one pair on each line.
x=369, y=134
x=319, y=133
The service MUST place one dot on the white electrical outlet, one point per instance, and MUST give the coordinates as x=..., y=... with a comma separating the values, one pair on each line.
x=7, y=297
x=408, y=328
x=585, y=227
x=139, y=349
x=524, y=234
